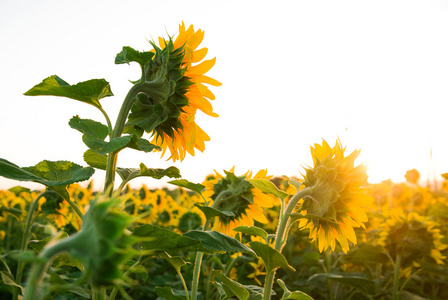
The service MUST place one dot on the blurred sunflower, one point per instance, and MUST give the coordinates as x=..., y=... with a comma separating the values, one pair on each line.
x=335, y=205
x=179, y=132
x=237, y=195
x=412, y=237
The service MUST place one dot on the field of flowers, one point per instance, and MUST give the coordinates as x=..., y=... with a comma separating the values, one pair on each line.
x=406, y=230
x=326, y=235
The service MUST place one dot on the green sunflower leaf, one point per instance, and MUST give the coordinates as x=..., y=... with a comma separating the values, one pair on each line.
x=237, y=289
x=131, y=173
x=128, y=55
x=95, y=160
x=176, y=261
x=142, y=145
x=272, y=258
x=196, y=187
x=217, y=242
x=102, y=147
x=167, y=293
x=297, y=295
x=56, y=175
x=268, y=187
x=17, y=190
x=252, y=230
x=89, y=92
x=89, y=127
x=161, y=239
x=211, y=212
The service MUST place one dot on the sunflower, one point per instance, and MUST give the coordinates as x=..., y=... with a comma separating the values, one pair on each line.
x=335, y=205
x=413, y=237
x=235, y=194
x=180, y=134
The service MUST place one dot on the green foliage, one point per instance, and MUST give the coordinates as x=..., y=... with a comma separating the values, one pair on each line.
x=90, y=92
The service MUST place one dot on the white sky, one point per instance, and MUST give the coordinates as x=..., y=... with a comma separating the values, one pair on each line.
x=374, y=73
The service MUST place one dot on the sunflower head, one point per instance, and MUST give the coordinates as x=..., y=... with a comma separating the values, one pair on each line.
x=413, y=237
x=172, y=89
x=335, y=204
x=234, y=194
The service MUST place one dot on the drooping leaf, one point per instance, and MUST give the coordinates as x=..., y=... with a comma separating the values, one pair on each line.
x=142, y=145
x=176, y=261
x=211, y=212
x=236, y=288
x=167, y=293
x=272, y=258
x=161, y=239
x=128, y=55
x=131, y=173
x=90, y=91
x=297, y=295
x=95, y=160
x=103, y=147
x=217, y=242
x=268, y=187
x=54, y=174
x=6, y=279
x=366, y=253
x=196, y=187
x=11, y=210
x=89, y=127
x=252, y=230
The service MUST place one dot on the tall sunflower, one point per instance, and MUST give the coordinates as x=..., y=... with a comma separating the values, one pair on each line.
x=335, y=206
x=235, y=194
x=181, y=134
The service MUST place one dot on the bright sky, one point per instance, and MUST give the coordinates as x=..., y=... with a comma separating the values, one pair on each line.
x=373, y=73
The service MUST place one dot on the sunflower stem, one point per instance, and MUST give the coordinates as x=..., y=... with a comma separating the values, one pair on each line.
x=117, y=132
x=396, y=293
x=25, y=240
x=197, y=267
x=281, y=236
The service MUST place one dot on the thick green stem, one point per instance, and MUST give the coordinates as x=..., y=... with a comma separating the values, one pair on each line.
x=396, y=293
x=281, y=237
x=197, y=268
x=109, y=124
x=25, y=240
x=117, y=132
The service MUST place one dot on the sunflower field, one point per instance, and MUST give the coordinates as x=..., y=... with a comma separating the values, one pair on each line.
x=251, y=235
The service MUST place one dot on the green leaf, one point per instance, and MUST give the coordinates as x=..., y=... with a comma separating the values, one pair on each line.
x=54, y=174
x=297, y=295
x=131, y=173
x=311, y=258
x=89, y=92
x=236, y=288
x=211, y=212
x=11, y=210
x=90, y=127
x=176, y=261
x=268, y=187
x=167, y=293
x=95, y=160
x=161, y=239
x=196, y=187
x=142, y=145
x=364, y=285
x=252, y=230
x=297, y=184
x=272, y=258
x=103, y=147
x=59, y=173
x=128, y=55
x=217, y=242
x=9, y=281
